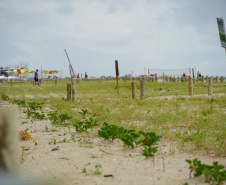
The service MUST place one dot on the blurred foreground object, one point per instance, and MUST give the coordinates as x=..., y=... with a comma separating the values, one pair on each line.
x=8, y=141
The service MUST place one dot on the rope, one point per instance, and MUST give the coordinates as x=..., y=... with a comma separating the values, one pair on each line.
x=168, y=69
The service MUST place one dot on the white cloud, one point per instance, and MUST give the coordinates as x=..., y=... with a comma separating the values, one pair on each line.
x=159, y=33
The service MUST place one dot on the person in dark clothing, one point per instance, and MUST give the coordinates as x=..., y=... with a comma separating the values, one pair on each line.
x=36, y=76
x=86, y=76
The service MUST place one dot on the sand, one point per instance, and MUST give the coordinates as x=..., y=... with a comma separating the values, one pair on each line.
x=124, y=165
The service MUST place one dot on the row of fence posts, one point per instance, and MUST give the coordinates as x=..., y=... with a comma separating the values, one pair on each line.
x=190, y=88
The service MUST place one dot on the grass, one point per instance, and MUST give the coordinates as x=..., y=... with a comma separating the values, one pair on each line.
x=196, y=123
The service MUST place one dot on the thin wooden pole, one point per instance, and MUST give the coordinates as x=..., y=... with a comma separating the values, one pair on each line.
x=210, y=86
x=41, y=75
x=117, y=74
x=217, y=79
x=190, y=86
x=142, y=89
x=133, y=84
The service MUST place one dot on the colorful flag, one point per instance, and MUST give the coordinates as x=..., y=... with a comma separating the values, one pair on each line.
x=220, y=23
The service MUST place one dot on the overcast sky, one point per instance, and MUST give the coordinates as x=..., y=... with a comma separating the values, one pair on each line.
x=156, y=34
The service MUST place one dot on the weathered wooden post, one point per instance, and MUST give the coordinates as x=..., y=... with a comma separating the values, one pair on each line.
x=210, y=86
x=222, y=79
x=178, y=79
x=156, y=78
x=163, y=77
x=202, y=78
x=217, y=79
x=69, y=91
x=72, y=89
x=133, y=84
x=193, y=75
x=55, y=81
x=117, y=74
x=190, y=86
x=206, y=78
x=142, y=89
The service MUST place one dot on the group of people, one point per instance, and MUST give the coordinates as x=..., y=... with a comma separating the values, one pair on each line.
x=37, y=81
x=199, y=74
x=86, y=76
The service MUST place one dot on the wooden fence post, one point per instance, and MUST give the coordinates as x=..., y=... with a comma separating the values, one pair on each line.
x=178, y=79
x=222, y=79
x=210, y=86
x=69, y=91
x=73, y=91
x=133, y=84
x=190, y=86
x=217, y=79
x=156, y=78
x=142, y=89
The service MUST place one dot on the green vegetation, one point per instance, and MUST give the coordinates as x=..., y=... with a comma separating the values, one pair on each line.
x=196, y=123
x=214, y=174
x=22, y=154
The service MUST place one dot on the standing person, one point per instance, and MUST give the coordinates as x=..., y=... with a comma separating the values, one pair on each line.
x=78, y=78
x=86, y=76
x=36, y=76
x=199, y=74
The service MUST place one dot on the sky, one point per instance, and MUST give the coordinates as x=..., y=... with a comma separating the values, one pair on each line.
x=154, y=34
